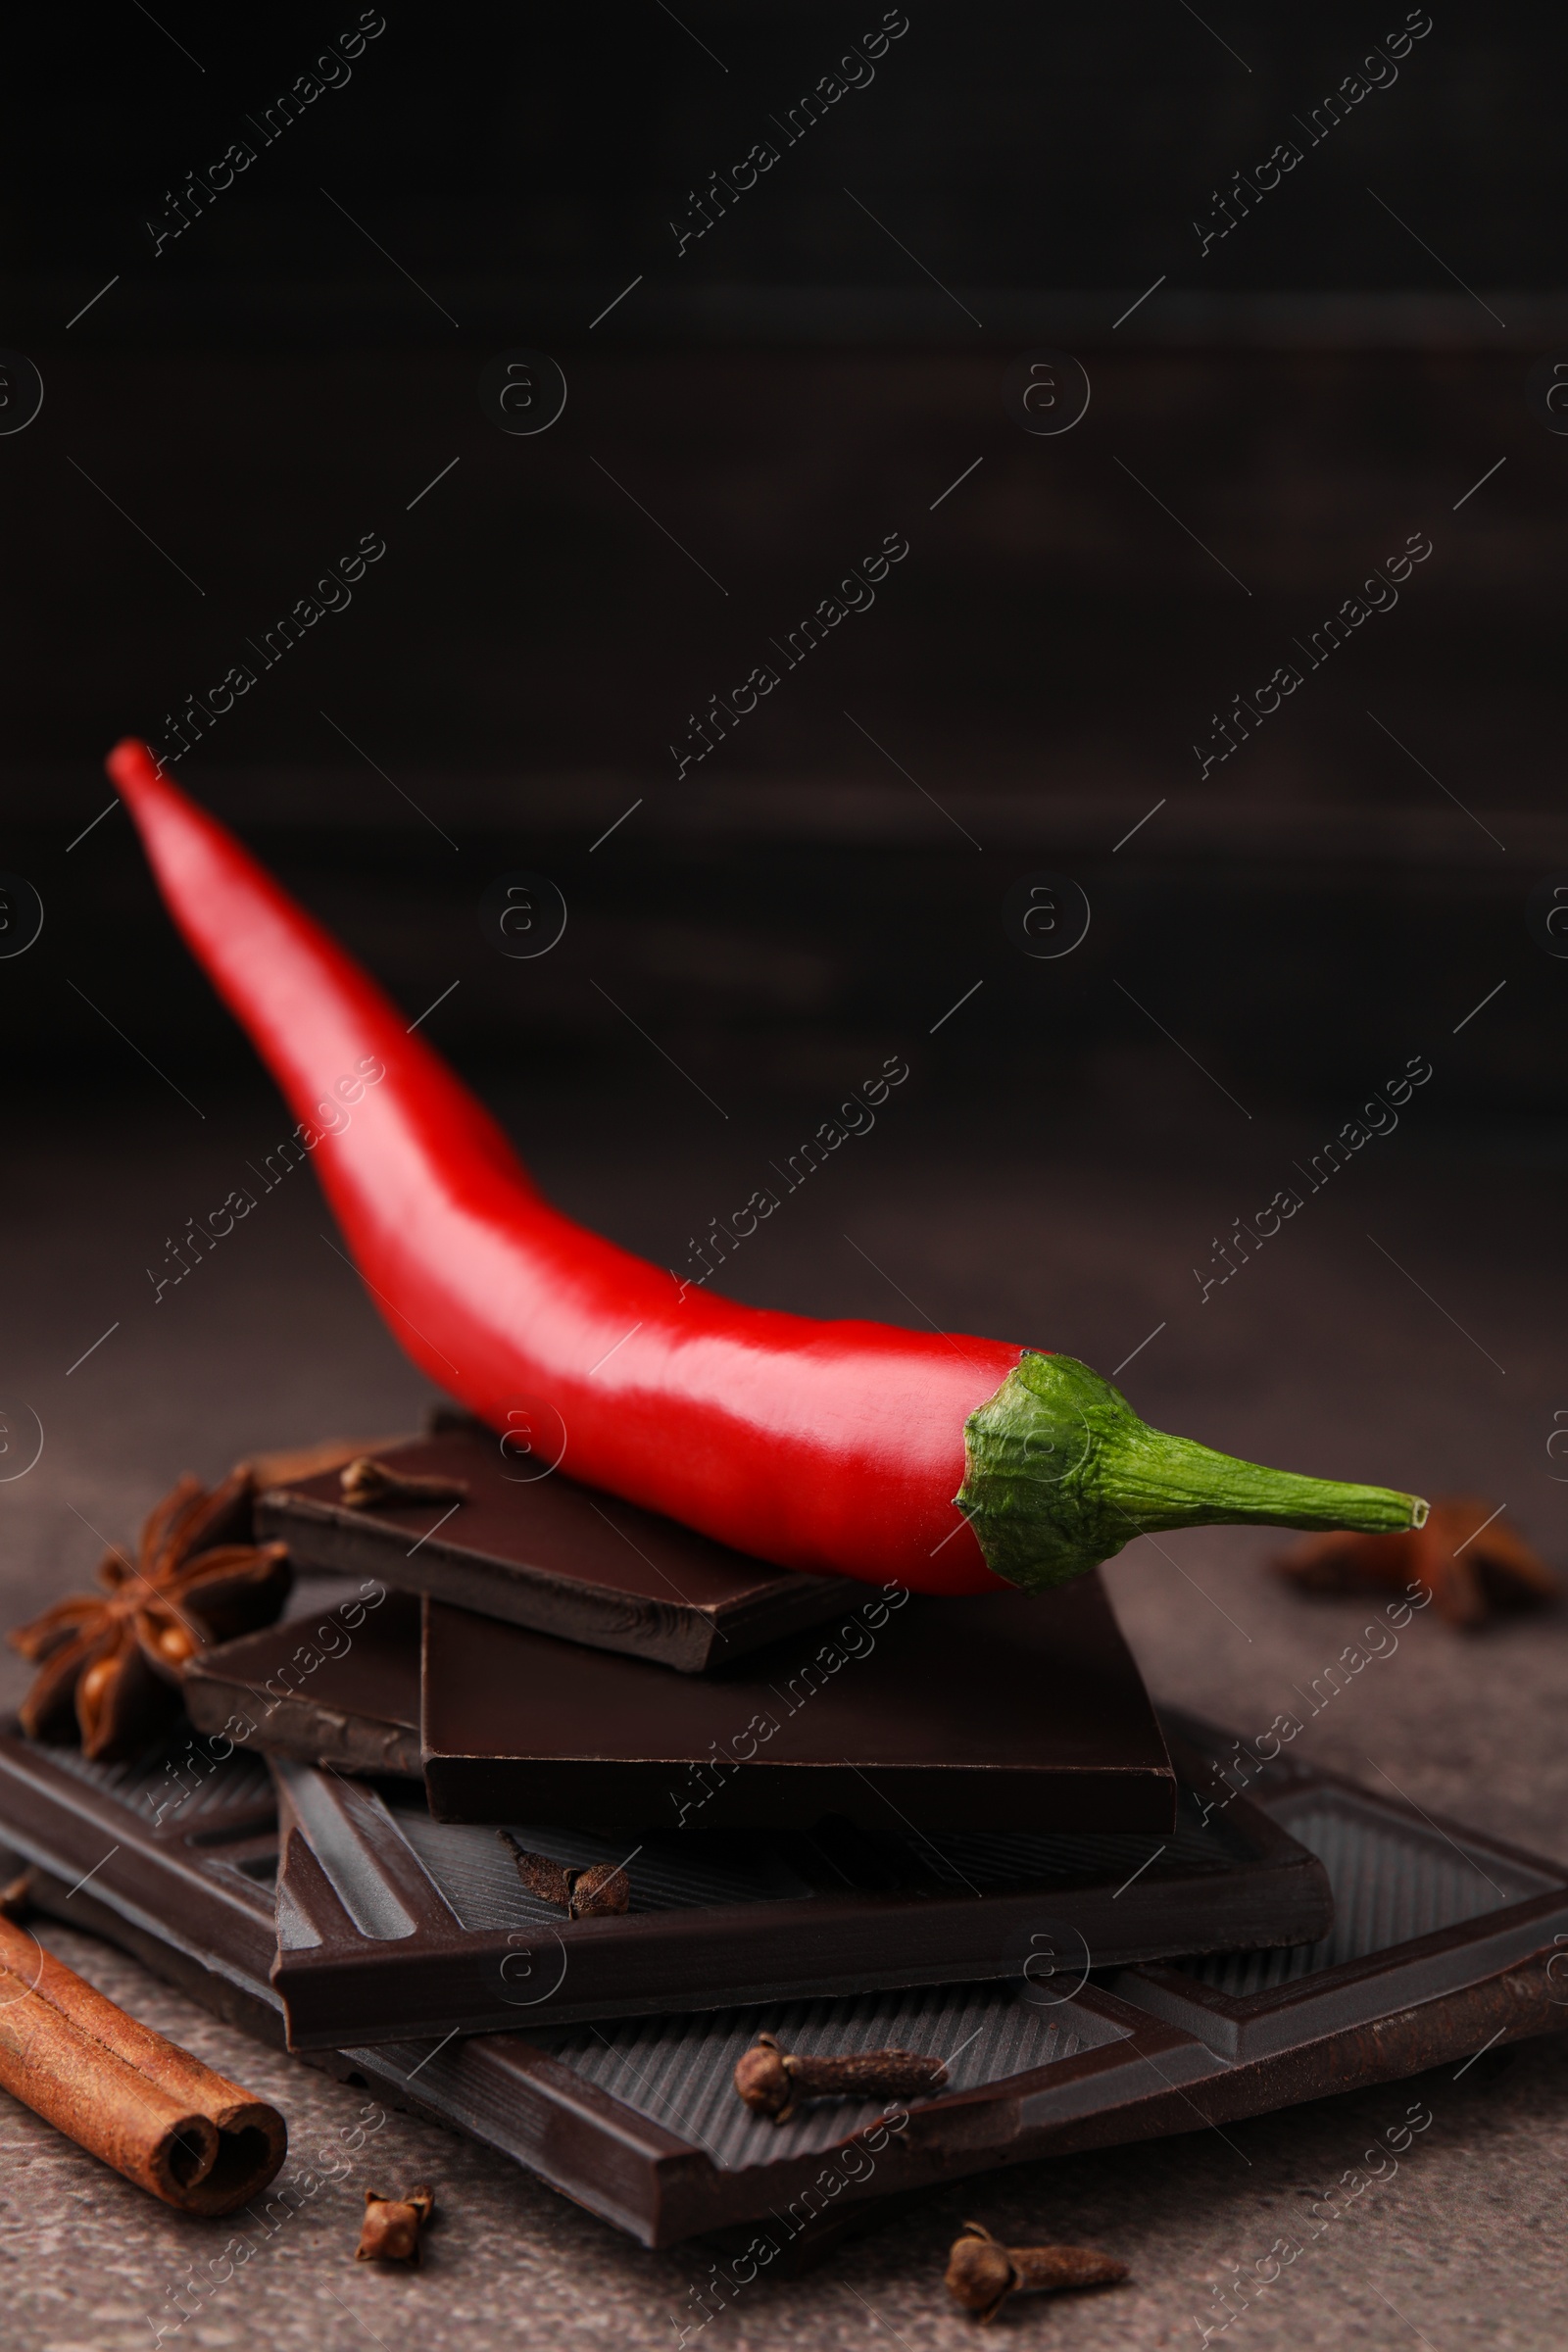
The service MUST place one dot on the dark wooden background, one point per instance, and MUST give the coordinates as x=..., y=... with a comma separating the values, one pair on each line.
x=1318, y=386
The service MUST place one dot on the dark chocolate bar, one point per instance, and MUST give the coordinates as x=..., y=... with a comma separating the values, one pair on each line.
x=319, y=1687
x=541, y=1551
x=1022, y=1712
x=387, y=1921
x=181, y=1843
x=716, y=1916
x=1444, y=1941
x=390, y=1923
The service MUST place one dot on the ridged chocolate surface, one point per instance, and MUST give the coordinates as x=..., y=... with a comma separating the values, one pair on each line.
x=479, y=1879
x=679, y=2072
x=1394, y=1880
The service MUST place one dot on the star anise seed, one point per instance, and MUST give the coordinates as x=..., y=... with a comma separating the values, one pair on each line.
x=1465, y=1559
x=110, y=1663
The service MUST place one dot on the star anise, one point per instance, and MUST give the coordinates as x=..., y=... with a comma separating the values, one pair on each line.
x=110, y=1662
x=1467, y=1560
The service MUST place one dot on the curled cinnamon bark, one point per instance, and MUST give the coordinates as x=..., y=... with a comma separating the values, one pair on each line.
x=133, y=2100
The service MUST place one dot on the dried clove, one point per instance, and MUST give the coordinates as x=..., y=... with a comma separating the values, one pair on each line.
x=284, y=1465
x=393, y=2227
x=982, y=2272
x=366, y=1483
x=773, y=2081
x=600, y=1891
x=1469, y=1564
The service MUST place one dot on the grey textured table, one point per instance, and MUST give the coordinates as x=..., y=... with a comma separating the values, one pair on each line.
x=1322, y=1354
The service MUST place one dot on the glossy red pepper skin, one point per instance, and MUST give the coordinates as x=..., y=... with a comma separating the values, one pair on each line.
x=829, y=1446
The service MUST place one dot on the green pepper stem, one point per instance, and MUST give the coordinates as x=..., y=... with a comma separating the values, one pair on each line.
x=1060, y=1474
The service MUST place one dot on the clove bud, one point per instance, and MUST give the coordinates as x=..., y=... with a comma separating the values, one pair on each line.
x=982, y=2272
x=365, y=1481
x=773, y=2081
x=392, y=2226
x=600, y=1891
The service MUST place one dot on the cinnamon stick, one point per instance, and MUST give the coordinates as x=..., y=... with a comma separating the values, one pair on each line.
x=134, y=2100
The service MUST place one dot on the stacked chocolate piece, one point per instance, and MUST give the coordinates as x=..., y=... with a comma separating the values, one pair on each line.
x=546, y=1812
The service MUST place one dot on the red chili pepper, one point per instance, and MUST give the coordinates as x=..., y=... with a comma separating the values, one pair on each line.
x=852, y=1448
